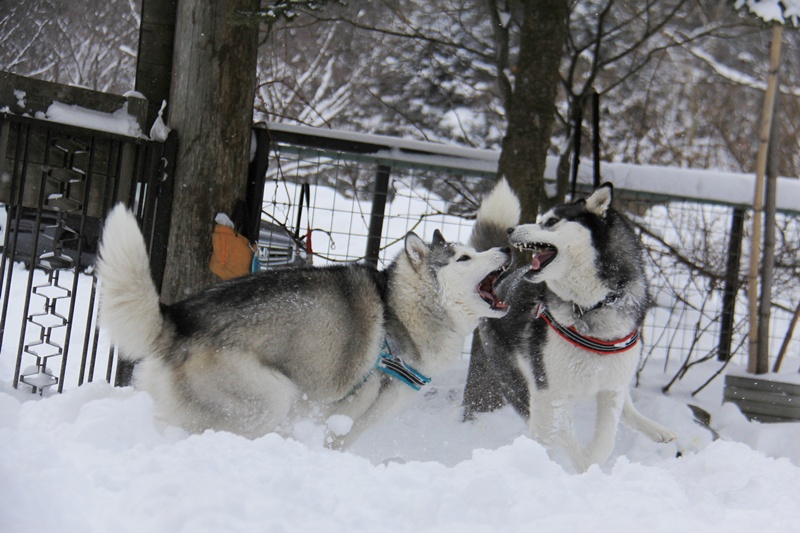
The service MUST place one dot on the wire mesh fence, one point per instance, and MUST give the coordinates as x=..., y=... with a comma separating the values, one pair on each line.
x=695, y=273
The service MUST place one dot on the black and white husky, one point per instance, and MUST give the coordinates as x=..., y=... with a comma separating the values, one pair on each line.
x=573, y=328
x=249, y=354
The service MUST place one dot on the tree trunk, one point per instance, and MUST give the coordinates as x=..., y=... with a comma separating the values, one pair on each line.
x=532, y=109
x=211, y=100
x=755, y=364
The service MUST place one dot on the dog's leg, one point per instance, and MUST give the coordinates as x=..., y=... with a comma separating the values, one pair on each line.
x=551, y=424
x=566, y=437
x=481, y=394
x=541, y=422
x=637, y=421
x=374, y=401
x=609, y=407
x=236, y=394
x=550, y=419
x=541, y=408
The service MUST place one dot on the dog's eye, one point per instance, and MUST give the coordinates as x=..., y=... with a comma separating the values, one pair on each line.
x=463, y=258
x=550, y=222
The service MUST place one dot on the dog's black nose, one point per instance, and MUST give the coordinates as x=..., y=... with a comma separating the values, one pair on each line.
x=506, y=250
x=510, y=231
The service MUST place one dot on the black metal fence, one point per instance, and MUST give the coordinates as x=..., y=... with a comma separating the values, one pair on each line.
x=57, y=183
x=336, y=197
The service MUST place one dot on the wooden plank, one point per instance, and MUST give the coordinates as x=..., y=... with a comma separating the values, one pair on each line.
x=157, y=47
x=736, y=394
x=159, y=12
x=763, y=399
x=154, y=61
x=153, y=84
x=768, y=409
x=763, y=384
x=766, y=419
x=40, y=94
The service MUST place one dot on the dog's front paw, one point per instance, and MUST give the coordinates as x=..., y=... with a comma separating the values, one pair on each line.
x=663, y=435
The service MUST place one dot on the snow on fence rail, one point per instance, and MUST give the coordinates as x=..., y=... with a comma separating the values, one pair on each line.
x=706, y=186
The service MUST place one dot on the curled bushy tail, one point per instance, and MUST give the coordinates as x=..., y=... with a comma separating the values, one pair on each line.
x=129, y=302
x=498, y=212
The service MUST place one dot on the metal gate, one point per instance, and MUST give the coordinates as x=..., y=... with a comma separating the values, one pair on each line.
x=57, y=182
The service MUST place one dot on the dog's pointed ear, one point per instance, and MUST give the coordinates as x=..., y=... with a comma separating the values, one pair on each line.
x=438, y=238
x=416, y=249
x=600, y=200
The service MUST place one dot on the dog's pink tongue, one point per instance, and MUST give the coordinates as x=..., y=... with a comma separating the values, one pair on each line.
x=541, y=257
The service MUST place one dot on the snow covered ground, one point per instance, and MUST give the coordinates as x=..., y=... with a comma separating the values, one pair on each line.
x=94, y=459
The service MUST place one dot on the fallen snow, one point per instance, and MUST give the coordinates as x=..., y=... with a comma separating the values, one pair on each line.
x=95, y=459
x=119, y=122
x=780, y=11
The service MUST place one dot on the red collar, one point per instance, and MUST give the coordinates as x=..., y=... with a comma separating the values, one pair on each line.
x=571, y=335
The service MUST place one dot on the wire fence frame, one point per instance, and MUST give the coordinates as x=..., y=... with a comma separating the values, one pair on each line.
x=687, y=239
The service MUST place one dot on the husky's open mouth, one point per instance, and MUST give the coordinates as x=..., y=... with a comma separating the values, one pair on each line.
x=543, y=254
x=486, y=290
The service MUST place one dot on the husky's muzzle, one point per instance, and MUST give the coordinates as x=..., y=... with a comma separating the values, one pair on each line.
x=487, y=284
x=543, y=253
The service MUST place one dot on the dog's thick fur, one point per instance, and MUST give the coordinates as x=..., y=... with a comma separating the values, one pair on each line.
x=249, y=354
x=587, y=269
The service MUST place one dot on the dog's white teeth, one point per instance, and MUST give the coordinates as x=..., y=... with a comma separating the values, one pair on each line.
x=538, y=246
x=534, y=247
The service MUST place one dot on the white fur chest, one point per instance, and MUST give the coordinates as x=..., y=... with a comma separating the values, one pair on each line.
x=577, y=372
x=439, y=353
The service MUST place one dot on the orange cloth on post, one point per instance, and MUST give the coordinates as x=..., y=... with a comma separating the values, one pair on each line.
x=232, y=255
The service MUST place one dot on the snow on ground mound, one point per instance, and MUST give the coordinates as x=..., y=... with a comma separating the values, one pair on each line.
x=94, y=459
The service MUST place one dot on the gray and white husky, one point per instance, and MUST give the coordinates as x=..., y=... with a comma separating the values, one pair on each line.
x=248, y=354
x=573, y=329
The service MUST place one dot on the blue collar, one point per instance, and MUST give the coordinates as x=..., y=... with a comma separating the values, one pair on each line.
x=394, y=366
